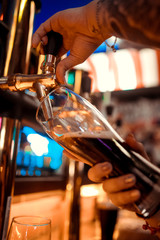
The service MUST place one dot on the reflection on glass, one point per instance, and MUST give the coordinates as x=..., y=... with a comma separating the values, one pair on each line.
x=30, y=228
x=85, y=133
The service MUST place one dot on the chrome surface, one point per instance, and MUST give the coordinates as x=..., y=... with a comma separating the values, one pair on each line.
x=17, y=14
x=19, y=37
x=18, y=18
x=49, y=64
x=20, y=82
x=9, y=135
x=30, y=32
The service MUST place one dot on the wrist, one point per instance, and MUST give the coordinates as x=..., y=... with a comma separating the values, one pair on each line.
x=152, y=224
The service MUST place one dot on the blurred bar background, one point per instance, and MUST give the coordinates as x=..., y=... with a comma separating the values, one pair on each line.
x=34, y=179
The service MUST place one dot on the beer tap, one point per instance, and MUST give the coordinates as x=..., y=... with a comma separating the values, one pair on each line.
x=41, y=83
x=34, y=82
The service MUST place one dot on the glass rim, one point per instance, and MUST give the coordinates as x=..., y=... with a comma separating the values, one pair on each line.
x=45, y=221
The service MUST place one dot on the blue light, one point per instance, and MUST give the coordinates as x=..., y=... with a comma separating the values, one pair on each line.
x=39, y=161
x=23, y=172
x=28, y=130
x=56, y=163
x=30, y=172
x=26, y=160
x=101, y=48
x=31, y=161
x=55, y=151
x=37, y=172
x=51, y=97
x=20, y=156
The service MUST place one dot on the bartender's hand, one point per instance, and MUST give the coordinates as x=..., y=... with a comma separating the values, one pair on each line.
x=120, y=190
x=80, y=35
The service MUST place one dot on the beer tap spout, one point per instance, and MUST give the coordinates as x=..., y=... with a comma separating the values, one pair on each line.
x=21, y=82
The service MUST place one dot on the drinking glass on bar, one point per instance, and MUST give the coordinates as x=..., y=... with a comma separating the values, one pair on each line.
x=85, y=133
x=30, y=228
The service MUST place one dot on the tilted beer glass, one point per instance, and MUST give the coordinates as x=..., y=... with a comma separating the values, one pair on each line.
x=84, y=132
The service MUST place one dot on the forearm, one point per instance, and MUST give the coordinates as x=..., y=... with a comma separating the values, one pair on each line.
x=134, y=20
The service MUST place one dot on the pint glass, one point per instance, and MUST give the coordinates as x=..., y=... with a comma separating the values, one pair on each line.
x=85, y=133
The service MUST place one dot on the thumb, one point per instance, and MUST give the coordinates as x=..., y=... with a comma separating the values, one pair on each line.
x=82, y=48
x=64, y=65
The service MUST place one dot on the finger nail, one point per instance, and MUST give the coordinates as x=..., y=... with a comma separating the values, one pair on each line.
x=106, y=167
x=129, y=179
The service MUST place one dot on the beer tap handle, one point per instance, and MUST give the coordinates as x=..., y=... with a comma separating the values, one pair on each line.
x=51, y=50
x=54, y=44
x=20, y=82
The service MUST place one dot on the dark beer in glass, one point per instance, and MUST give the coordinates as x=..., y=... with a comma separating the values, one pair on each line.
x=84, y=132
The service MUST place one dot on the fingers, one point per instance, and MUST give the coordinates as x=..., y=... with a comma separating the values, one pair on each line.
x=130, y=139
x=99, y=172
x=64, y=65
x=121, y=199
x=82, y=47
x=119, y=183
x=119, y=190
x=40, y=34
x=76, y=38
x=136, y=146
x=53, y=23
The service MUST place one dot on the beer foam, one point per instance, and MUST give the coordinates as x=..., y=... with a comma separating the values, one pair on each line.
x=87, y=134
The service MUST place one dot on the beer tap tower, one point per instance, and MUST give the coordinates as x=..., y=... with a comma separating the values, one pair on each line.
x=16, y=24
x=16, y=27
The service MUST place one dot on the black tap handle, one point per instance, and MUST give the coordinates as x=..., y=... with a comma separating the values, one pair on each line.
x=54, y=44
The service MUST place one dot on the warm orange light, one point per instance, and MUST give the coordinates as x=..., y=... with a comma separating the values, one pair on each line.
x=90, y=190
x=1, y=17
x=21, y=9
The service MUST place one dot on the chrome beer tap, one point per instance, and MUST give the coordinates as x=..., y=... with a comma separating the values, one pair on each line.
x=41, y=83
x=21, y=82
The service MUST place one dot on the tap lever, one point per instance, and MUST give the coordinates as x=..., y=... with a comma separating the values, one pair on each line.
x=54, y=44
x=20, y=82
x=51, y=50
